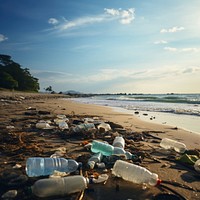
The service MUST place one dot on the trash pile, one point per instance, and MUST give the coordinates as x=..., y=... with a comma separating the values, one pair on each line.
x=60, y=156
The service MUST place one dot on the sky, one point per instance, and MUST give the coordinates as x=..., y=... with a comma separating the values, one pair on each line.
x=101, y=46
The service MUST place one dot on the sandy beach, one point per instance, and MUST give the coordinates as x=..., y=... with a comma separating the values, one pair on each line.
x=21, y=111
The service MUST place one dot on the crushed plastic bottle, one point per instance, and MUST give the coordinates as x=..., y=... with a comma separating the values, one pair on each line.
x=37, y=166
x=96, y=158
x=197, y=165
x=59, y=186
x=167, y=143
x=134, y=173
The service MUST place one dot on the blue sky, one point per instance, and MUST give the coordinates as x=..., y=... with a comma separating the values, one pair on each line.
x=136, y=46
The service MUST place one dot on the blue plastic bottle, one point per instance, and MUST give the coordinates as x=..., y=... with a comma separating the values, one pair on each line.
x=37, y=166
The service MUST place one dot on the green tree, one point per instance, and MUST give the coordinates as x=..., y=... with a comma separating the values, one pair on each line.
x=25, y=81
x=7, y=81
x=48, y=89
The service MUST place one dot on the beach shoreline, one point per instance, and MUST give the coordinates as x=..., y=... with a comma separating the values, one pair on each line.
x=162, y=118
x=18, y=110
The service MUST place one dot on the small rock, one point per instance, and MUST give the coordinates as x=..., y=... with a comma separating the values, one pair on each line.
x=9, y=194
x=17, y=166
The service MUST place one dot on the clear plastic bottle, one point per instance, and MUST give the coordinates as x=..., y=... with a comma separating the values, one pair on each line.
x=197, y=165
x=59, y=186
x=134, y=173
x=37, y=166
x=167, y=143
x=104, y=148
x=84, y=127
x=119, y=142
x=96, y=158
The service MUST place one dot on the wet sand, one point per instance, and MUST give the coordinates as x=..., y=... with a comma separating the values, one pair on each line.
x=23, y=140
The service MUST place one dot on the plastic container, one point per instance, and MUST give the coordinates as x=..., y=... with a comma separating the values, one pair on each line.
x=104, y=148
x=59, y=186
x=167, y=143
x=96, y=158
x=119, y=142
x=37, y=166
x=134, y=173
x=197, y=165
x=83, y=127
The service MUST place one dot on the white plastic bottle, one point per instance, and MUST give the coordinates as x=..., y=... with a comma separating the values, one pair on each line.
x=59, y=186
x=96, y=158
x=167, y=143
x=119, y=142
x=197, y=165
x=37, y=166
x=134, y=173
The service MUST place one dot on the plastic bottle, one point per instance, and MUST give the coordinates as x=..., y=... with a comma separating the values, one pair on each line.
x=197, y=165
x=134, y=173
x=37, y=166
x=59, y=186
x=43, y=125
x=167, y=143
x=83, y=127
x=96, y=158
x=104, y=148
x=119, y=142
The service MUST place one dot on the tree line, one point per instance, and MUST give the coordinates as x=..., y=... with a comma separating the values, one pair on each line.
x=13, y=76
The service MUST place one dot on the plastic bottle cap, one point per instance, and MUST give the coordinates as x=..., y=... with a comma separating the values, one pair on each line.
x=159, y=181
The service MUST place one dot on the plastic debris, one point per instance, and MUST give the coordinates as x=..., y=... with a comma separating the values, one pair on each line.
x=104, y=127
x=17, y=166
x=190, y=159
x=102, y=178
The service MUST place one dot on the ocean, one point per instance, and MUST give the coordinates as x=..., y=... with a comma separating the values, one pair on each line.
x=180, y=110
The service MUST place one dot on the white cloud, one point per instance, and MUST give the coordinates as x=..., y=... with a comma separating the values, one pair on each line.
x=160, y=42
x=53, y=21
x=2, y=38
x=194, y=50
x=190, y=50
x=170, y=49
x=172, y=30
x=123, y=16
